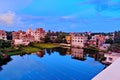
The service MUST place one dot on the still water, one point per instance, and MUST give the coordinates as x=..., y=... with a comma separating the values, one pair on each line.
x=52, y=64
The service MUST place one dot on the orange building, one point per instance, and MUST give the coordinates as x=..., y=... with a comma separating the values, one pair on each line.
x=68, y=39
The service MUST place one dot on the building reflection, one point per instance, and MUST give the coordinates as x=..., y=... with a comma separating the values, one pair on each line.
x=40, y=53
x=75, y=53
x=78, y=54
x=96, y=56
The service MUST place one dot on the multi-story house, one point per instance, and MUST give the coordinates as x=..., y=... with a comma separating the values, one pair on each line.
x=38, y=34
x=99, y=39
x=25, y=38
x=17, y=35
x=3, y=35
x=68, y=39
x=78, y=41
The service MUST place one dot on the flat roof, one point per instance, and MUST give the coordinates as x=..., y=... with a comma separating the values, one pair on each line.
x=112, y=72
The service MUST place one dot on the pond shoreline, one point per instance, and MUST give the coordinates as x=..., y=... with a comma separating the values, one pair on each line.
x=34, y=47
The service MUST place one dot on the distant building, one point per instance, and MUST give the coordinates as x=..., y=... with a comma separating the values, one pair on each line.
x=91, y=43
x=78, y=41
x=111, y=36
x=3, y=35
x=53, y=38
x=105, y=46
x=18, y=41
x=17, y=35
x=38, y=34
x=99, y=39
x=28, y=36
x=68, y=39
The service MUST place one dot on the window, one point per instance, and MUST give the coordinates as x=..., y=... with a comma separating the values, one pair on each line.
x=110, y=58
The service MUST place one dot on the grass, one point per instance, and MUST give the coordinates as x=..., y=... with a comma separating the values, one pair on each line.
x=45, y=45
x=14, y=53
x=30, y=49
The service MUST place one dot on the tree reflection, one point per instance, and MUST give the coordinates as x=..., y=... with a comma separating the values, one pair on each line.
x=4, y=61
x=49, y=51
x=61, y=51
x=77, y=53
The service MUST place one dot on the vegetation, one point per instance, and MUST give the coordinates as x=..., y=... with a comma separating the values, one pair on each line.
x=44, y=45
x=109, y=41
x=9, y=35
x=115, y=47
x=55, y=37
x=5, y=44
x=117, y=35
x=91, y=50
x=17, y=52
x=31, y=48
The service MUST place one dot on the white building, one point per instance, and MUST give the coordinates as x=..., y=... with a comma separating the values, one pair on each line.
x=78, y=41
x=111, y=57
x=20, y=42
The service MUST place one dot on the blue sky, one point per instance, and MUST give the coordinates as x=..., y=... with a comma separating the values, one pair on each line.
x=56, y=15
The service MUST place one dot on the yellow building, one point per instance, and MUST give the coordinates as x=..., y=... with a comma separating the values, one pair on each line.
x=68, y=39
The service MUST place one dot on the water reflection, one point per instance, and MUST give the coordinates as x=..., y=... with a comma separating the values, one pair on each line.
x=40, y=53
x=75, y=53
x=78, y=54
x=4, y=61
x=52, y=64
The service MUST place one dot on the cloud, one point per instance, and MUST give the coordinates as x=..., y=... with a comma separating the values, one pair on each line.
x=7, y=18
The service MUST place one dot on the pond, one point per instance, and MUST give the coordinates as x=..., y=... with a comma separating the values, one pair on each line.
x=52, y=64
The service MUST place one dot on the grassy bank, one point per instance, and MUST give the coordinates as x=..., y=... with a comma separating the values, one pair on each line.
x=34, y=47
x=14, y=53
x=45, y=45
x=30, y=49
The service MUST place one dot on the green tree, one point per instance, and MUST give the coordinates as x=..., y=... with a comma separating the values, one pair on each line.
x=110, y=41
x=5, y=44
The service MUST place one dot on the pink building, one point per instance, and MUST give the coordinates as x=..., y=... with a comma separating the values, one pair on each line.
x=3, y=35
x=28, y=36
x=38, y=34
x=99, y=39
